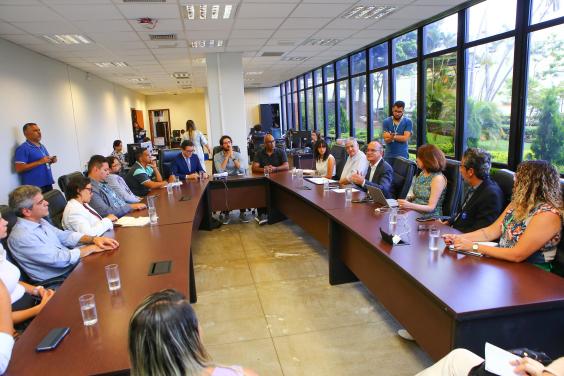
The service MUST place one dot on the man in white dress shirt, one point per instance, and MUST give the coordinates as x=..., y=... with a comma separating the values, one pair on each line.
x=356, y=162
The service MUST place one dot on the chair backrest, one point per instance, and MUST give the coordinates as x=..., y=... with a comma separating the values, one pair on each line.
x=304, y=161
x=9, y=215
x=505, y=178
x=453, y=188
x=340, y=154
x=63, y=181
x=217, y=149
x=166, y=156
x=57, y=203
x=404, y=170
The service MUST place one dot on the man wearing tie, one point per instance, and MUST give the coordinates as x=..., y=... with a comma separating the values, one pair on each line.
x=187, y=164
x=379, y=173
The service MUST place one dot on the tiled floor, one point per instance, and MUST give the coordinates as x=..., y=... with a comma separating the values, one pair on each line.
x=264, y=302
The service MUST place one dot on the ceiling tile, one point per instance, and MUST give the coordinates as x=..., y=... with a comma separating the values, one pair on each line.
x=241, y=48
x=60, y=27
x=418, y=12
x=88, y=12
x=374, y=34
x=341, y=23
x=246, y=42
x=395, y=24
x=251, y=33
x=103, y=26
x=24, y=39
x=207, y=25
x=114, y=37
x=334, y=33
x=133, y=11
x=121, y=46
x=304, y=23
x=281, y=34
x=28, y=14
x=6, y=28
x=207, y=34
x=259, y=10
x=258, y=23
x=320, y=10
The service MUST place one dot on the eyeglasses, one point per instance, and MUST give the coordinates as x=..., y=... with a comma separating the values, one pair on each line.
x=373, y=150
x=189, y=151
x=88, y=189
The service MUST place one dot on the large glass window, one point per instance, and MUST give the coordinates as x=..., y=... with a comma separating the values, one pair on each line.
x=405, y=47
x=440, y=101
x=378, y=56
x=329, y=73
x=344, y=121
x=490, y=18
x=544, y=10
x=342, y=68
x=308, y=79
x=318, y=92
x=358, y=63
x=379, y=101
x=310, y=114
x=301, y=82
x=488, y=97
x=440, y=35
x=330, y=100
x=303, y=124
x=359, y=107
x=405, y=81
x=295, y=114
x=283, y=106
x=317, y=77
x=544, y=128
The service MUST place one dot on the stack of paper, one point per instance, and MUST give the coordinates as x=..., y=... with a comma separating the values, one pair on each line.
x=132, y=221
x=342, y=190
x=320, y=181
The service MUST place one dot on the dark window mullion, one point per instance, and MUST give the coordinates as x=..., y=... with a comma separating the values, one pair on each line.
x=421, y=105
x=459, y=131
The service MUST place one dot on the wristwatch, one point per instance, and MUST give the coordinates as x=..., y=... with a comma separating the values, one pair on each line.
x=475, y=247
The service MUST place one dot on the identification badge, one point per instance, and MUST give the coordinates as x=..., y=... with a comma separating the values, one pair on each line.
x=464, y=216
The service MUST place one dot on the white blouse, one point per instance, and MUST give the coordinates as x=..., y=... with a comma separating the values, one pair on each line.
x=10, y=275
x=321, y=166
x=78, y=218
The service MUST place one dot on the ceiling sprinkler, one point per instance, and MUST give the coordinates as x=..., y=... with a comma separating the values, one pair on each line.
x=147, y=23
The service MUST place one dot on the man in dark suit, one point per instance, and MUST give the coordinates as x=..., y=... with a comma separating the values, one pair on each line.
x=187, y=164
x=483, y=199
x=379, y=173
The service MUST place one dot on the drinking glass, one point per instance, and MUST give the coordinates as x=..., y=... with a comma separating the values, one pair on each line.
x=88, y=309
x=153, y=217
x=393, y=221
x=151, y=202
x=434, y=234
x=348, y=194
x=169, y=188
x=112, y=276
x=326, y=184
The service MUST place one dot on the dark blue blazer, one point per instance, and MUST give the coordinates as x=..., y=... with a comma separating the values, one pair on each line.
x=382, y=178
x=179, y=167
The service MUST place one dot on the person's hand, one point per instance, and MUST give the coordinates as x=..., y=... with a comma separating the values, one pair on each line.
x=112, y=217
x=527, y=366
x=105, y=243
x=449, y=238
x=445, y=222
x=45, y=160
x=54, y=159
x=138, y=206
x=387, y=136
x=357, y=178
x=154, y=163
x=404, y=204
x=205, y=175
x=46, y=295
x=462, y=243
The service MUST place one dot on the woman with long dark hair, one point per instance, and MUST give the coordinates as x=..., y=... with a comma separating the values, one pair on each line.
x=325, y=164
x=198, y=139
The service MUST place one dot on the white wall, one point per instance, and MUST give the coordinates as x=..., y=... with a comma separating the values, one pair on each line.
x=255, y=97
x=78, y=117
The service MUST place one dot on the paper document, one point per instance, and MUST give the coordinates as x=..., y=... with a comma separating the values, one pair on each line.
x=342, y=190
x=320, y=181
x=175, y=184
x=498, y=361
x=132, y=221
x=309, y=172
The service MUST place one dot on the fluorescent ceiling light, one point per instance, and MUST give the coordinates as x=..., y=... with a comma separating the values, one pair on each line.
x=295, y=58
x=227, y=11
x=210, y=43
x=215, y=12
x=184, y=75
x=112, y=64
x=200, y=11
x=138, y=79
x=67, y=39
x=321, y=42
x=190, y=12
x=368, y=12
x=253, y=73
x=203, y=11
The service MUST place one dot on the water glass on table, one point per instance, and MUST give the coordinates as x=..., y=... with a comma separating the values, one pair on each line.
x=169, y=188
x=153, y=217
x=326, y=184
x=112, y=276
x=88, y=309
x=151, y=202
x=434, y=234
x=348, y=194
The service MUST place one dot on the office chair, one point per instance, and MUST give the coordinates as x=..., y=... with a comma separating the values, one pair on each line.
x=338, y=151
x=166, y=156
x=404, y=170
x=57, y=203
x=63, y=180
x=504, y=178
x=453, y=188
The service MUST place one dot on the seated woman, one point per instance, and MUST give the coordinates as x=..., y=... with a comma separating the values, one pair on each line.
x=27, y=300
x=529, y=229
x=118, y=184
x=81, y=217
x=325, y=164
x=164, y=339
x=427, y=191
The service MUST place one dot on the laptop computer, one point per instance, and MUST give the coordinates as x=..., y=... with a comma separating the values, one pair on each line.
x=379, y=198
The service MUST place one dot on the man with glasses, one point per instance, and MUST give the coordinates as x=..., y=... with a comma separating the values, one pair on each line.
x=269, y=159
x=397, y=131
x=379, y=173
x=144, y=174
x=117, y=183
x=356, y=162
x=41, y=249
x=187, y=164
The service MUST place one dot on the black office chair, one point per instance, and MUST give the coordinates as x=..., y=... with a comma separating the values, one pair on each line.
x=453, y=188
x=505, y=178
x=63, y=181
x=57, y=203
x=166, y=156
x=404, y=170
x=217, y=149
x=340, y=154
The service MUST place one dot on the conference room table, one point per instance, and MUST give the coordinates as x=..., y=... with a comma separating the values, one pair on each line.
x=444, y=299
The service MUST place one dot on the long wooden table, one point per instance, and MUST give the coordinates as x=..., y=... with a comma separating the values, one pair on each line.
x=444, y=299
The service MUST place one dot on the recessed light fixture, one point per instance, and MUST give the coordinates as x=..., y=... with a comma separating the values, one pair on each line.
x=295, y=58
x=321, y=42
x=255, y=73
x=367, y=12
x=184, y=75
x=112, y=64
x=138, y=79
x=67, y=39
x=200, y=11
x=199, y=61
x=209, y=43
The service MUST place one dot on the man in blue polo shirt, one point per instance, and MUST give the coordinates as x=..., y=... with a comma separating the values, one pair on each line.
x=397, y=131
x=33, y=161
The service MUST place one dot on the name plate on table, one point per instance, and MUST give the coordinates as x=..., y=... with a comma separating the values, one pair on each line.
x=391, y=239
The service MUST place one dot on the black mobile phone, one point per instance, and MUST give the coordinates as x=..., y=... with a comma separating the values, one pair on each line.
x=52, y=340
x=423, y=219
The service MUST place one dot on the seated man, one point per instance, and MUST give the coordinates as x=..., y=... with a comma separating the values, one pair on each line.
x=41, y=249
x=144, y=174
x=104, y=199
x=117, y=183
x=356, y=162
x=483, y=200
x=229, y=160
x=187, y=164
x=379, y=174
x=269, y=159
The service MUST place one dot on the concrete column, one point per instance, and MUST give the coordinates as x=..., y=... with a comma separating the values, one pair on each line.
x=226, y=99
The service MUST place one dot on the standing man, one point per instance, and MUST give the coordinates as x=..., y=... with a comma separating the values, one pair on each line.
x=397, y=131
x=379, y=173
x=144, y=174
x=33, y=161
x=269, y=159
x=356, y=162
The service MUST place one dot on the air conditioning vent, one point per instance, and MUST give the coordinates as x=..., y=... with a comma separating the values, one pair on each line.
x=162, y=36
x=271, y=54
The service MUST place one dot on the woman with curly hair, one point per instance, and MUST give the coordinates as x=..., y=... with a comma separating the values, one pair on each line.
x=529, y=229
